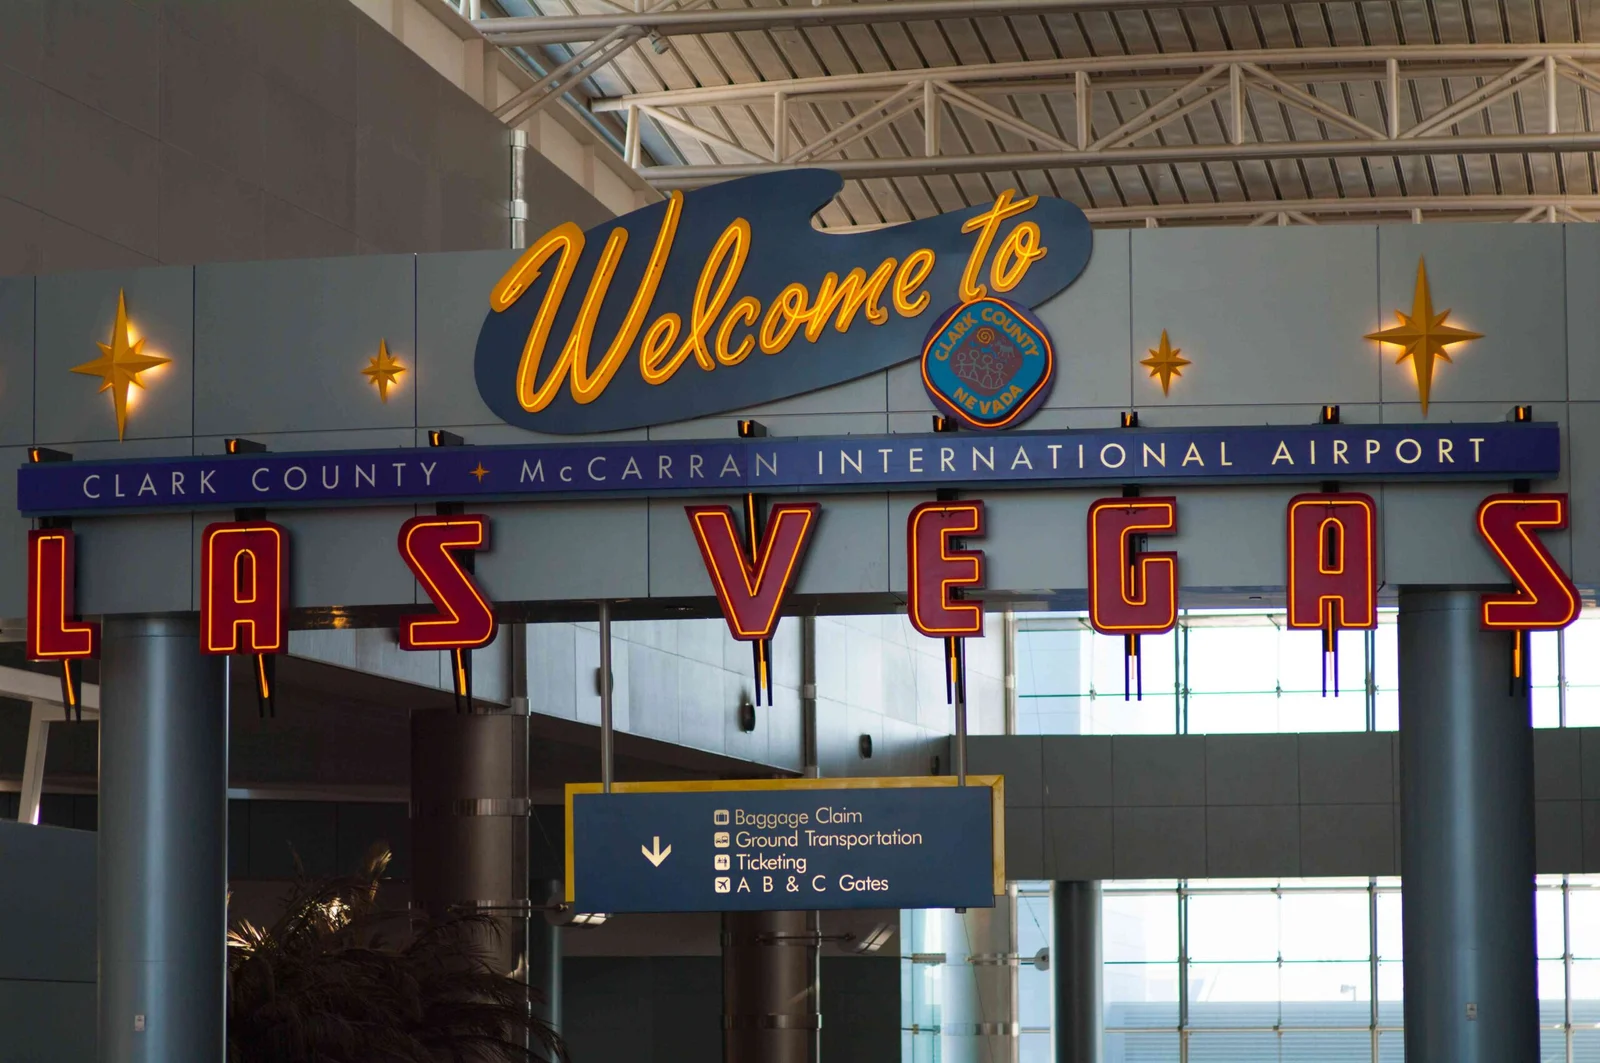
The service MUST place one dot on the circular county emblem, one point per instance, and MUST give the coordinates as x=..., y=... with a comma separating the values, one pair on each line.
x=988, y=364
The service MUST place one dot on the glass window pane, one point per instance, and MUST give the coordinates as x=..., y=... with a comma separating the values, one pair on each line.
x=1391, y=993
x=1034, y=1047
x=1141, y=1048
x=1390, y=943
x=1233, y=994
x=1234, y=927
x=1553, y=986
x=1327, y=1048
x=1586, y=1046
x=1154, y=715
x=1302, y=713
x=1547, y=921
x=1233, y=713
x=1233, y=1047
x=1391, y=1047
x=1140, y=927
x=1040, y=715
x=1141, y=995
x=1052, y=662
x=1326, y=994
x=1325, y=926
x=1553, y=1046
x=1586, y=992
x=1240, y=659
x=1584, y=913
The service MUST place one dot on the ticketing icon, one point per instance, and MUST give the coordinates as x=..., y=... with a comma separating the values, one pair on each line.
x=722, y=861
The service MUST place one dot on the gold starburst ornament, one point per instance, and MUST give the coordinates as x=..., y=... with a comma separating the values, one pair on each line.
x=1422, y=335
x=383, y=370
x=1165, y=363
x=120, y=363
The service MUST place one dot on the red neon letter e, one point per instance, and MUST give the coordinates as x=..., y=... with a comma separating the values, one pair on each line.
x=751, y=590
x=1131, y=594
x=244, y=596
x=53, y=632
x=935, y=570
x=465, y=619
x=1333, y=555
x=1545, y=597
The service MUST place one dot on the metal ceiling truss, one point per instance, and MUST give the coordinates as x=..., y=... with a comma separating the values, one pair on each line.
x=1354, y=97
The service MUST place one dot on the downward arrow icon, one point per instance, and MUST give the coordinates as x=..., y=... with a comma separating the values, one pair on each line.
x=658, y=854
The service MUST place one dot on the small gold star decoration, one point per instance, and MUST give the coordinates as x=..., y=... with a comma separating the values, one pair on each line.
x=1422, y=335
x=480, y=472
x=383, y=370
x=120, y=363
x=1165, y=362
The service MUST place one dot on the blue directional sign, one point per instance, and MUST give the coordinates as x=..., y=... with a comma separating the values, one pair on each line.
x=791, y=844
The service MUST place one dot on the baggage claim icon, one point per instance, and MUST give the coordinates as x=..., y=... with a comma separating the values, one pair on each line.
x=988, y=364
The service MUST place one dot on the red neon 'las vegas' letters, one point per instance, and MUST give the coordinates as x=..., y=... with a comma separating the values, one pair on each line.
x=1128, y=594
x=1545, y=597
x=750, y=590
x=935, y=570
x=1333, y=561
x=54, y=633
x=465, y=619
x=244, y=593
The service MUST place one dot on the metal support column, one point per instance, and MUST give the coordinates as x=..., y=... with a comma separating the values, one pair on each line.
x=1076, y=972
x=162, y=844
x=469, y=818
x=1466, y=837
x=771, y=975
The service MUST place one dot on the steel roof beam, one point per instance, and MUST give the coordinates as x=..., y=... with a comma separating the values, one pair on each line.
x=574, y=29
x=1029, y=161
x=1330, y=65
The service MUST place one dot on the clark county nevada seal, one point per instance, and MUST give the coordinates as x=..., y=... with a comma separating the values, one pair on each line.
x=988, y=364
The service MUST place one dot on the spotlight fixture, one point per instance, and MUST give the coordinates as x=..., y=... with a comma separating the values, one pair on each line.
x=44, y=455
x=243, y=446
x=752, y=430
x=438, y=437
x=1522, y=414
x=1130, y=419
x=1330, y=415
x=864, y=747
x=944, y=424
x=747, y=716
x=659, y=44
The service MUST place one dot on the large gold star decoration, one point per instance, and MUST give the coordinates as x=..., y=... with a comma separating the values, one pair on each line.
x=120, y=363
x=1165, y=362
x=383, y=370
x=1422, y=335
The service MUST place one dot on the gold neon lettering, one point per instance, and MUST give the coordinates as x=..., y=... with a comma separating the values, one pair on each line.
x=784, y=318
x=733, y=244
x=565, y=241
x=653, y=350
x=745, y=311
x=1022, y=247
x=913, y=271
x=986, y=224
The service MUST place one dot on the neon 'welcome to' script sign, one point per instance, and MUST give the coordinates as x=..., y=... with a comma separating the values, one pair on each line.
x=726, y=297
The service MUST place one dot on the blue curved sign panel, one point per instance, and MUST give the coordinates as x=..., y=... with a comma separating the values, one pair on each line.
x=727, y=297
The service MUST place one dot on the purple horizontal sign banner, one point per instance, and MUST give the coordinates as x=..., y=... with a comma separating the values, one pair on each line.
x=1165, y=456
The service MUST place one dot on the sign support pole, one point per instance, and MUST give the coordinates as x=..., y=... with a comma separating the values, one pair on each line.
x=607, y=727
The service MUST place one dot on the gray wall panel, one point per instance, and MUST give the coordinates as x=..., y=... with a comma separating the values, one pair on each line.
x=136, y=566
x=533, y=556
x=13, y=539
x=77, y=312
x=1583, y=313
x=452, y=299
x=1501, y=280
x=326, y=570
x=281, y=345
x=16, y=359
x=1293, y=327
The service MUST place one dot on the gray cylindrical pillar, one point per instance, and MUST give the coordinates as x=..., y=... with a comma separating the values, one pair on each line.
x=1076, y=972
x=770, y=987
x=544, y=956
x=1466, y=836
x=469, y=818
x=162, y=842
